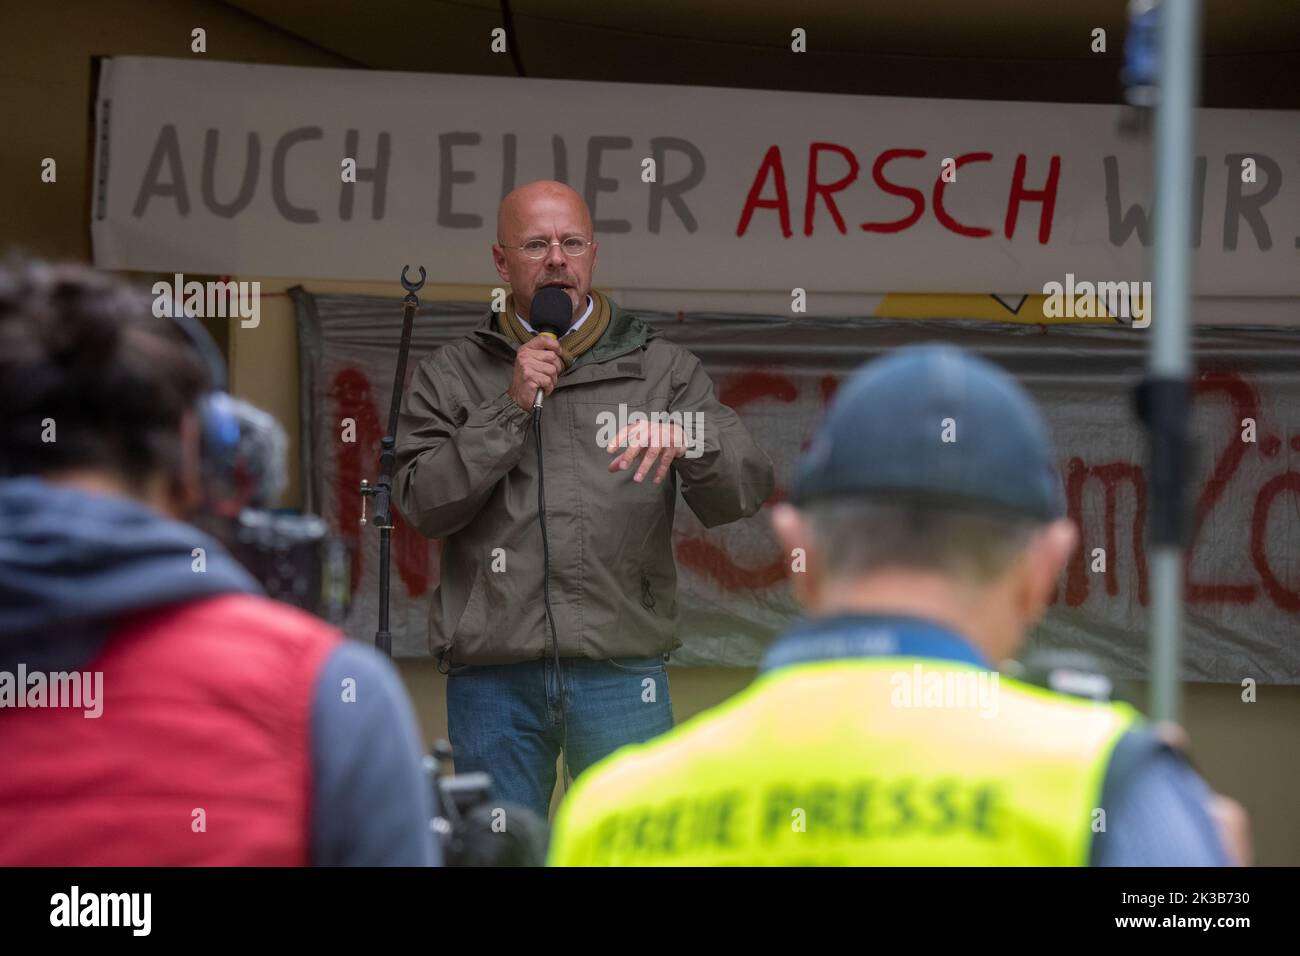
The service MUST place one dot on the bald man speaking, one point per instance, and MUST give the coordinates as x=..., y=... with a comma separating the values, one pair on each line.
x=628, y=418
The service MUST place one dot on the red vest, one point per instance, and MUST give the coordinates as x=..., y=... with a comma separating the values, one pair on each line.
x=201, y=756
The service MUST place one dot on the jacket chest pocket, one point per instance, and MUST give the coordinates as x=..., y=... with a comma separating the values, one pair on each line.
x=595, y=426
x=622, y=519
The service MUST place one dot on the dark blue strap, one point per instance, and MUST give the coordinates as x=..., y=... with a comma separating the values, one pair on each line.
x=1157, y=809
x=862, y=635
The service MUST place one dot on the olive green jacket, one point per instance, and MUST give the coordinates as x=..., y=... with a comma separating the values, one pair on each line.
x=467, y=473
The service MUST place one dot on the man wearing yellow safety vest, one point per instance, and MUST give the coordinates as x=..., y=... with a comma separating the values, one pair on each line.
x=929, y=513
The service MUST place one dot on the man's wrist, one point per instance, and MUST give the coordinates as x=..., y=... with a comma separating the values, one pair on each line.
x=503, y=411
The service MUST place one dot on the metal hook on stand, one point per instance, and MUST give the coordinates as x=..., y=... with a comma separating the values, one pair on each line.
x=412, y=287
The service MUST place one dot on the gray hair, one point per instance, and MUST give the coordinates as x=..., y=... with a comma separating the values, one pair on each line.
x=856, y=536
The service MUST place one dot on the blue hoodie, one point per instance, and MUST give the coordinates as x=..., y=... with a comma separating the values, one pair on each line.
x=73, y=562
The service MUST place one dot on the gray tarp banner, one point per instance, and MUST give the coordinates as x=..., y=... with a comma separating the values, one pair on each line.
x=1244, y=567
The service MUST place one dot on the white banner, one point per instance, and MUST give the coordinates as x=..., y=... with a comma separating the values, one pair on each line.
x=224, y=168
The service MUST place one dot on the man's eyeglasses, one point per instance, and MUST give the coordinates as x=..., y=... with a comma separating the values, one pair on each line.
x=573, y=246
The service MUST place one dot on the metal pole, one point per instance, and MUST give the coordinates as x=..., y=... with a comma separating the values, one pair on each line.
x=1169, y=356
x=382, y=490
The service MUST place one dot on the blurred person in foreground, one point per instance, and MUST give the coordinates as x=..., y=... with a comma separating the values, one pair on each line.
x=155, y=708
x=878, y=731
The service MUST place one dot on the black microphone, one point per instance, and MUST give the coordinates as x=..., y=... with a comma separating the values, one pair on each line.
x=550, y=314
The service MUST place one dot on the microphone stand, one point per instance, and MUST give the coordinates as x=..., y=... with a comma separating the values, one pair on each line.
x=382, y=490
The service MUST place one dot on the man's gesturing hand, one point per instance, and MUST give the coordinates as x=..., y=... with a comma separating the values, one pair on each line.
x=662, y=442
x=537, y=365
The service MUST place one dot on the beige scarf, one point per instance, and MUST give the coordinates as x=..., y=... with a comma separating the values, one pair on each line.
x=572, y=344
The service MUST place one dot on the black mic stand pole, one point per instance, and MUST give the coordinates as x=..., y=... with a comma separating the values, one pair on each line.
x=382, y=490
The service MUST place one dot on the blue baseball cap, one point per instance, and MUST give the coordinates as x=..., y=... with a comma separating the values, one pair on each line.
x=937, y=424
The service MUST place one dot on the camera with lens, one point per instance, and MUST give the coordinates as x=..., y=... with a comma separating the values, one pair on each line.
x=473, y=828
x=294, y=557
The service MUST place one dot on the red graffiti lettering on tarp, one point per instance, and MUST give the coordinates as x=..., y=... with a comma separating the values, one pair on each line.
x=751, y=386
x=1118, y=481
x=698, y=552
x=351, y=395
x=1245, y=404
x=1110, y=475
x=1284, y=597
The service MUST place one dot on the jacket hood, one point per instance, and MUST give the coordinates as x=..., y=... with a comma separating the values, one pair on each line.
x=72, y=562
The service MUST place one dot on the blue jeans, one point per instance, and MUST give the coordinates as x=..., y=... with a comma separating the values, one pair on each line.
x=505, y=719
